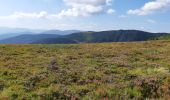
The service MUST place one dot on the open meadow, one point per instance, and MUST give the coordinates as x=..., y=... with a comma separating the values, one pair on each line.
x=119, y=71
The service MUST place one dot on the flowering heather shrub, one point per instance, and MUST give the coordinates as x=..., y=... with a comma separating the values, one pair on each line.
x=119, y=71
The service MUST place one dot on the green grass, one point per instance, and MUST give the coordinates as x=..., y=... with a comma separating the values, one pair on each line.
x=166, y=37
x=136, y=70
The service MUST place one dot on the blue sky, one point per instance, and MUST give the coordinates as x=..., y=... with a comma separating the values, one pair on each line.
x=148, y=15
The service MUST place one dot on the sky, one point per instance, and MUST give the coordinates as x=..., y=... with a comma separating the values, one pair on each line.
x=89, y=15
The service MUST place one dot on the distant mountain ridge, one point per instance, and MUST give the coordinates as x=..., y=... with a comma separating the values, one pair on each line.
x=6, y=30
x=58, y=32
x=27, y=38
x=105, y=36
x=83, y=37
x=12, y=35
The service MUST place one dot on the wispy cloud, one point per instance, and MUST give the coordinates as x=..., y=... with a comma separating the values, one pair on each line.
x=122, y=16
x=18, y=15
x=151, y=21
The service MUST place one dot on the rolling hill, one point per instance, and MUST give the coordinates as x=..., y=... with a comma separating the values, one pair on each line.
x=55, y=37
x=27, y=38
x=106, y=36
x=56, y=41
x=114, y=36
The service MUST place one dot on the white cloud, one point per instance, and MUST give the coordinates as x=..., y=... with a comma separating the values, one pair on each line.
x=74, y=8
x=85, y=10
x=111, y=11
x=151, y=7
x=84, y=7
x=77, y=8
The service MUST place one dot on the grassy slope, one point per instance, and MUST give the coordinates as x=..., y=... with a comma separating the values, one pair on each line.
x=166, y=37
x=85, y=71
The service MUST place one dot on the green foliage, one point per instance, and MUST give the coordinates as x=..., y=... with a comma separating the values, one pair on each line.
x=136, y=70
